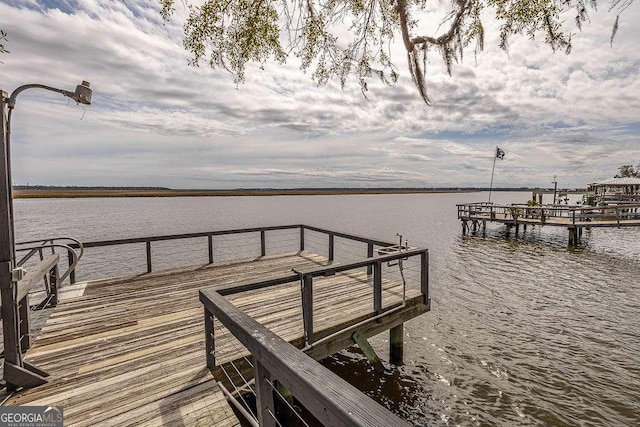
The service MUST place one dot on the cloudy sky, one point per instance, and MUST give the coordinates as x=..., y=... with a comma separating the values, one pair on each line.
x=155, y=121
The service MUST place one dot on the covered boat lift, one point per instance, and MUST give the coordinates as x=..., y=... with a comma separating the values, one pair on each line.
x=616, y=191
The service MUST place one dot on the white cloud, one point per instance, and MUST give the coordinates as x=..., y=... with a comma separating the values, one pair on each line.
x=157, y=121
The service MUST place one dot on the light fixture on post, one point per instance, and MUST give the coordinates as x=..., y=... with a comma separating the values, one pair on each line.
x=17, y=372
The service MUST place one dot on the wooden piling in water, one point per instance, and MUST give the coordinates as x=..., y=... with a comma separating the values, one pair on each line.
x=396, y=344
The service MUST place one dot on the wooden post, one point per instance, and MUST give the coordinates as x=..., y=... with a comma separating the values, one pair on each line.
x=12, y=354
x=263, y=246
x=377, y=289
x=148, y=256
x=572, y=236
x=369, y=255
x=209, y=339
x=307, y=308
x=72, y=274
x=464, y=228
x=264, y=396
x=302, y=238
x=424, y=276
x=331, y=242
x=517, y=229
x=396, y=344
x=210, y=244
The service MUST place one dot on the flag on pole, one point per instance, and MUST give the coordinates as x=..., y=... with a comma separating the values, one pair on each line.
x=499, y=153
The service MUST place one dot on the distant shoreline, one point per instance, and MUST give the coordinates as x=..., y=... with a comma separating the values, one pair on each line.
x=63, y=193
x=23, y=192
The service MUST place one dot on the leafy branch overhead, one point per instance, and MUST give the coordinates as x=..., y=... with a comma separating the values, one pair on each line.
x=3, y=38
x=335, y=40
x=626, y=171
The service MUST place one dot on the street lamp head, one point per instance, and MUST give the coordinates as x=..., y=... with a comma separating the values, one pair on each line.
x=82, y=95
x=83, y=92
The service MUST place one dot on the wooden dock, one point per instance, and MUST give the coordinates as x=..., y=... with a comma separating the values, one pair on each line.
x=474, y=217
x=131, y=350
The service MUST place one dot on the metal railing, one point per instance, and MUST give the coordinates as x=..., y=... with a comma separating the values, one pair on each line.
x=627, y=214
x=34, y=247
x=263, y=241
x=276, y=361
x=330, y=399
x=16, y=307
x=260, y=249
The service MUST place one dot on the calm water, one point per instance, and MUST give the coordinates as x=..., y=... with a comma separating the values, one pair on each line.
x=522, y=331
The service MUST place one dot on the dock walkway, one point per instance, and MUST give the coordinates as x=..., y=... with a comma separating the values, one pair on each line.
x=131, y=350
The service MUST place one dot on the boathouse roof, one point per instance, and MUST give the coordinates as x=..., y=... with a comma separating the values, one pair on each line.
x=618, y=182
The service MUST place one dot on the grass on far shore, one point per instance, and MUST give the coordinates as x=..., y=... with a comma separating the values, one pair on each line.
x=59, y=193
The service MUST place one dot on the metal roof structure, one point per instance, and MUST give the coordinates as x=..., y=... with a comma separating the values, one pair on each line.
x=617, y=182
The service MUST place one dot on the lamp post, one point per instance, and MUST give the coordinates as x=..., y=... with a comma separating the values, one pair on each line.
x=17, y=372
x=555, y=188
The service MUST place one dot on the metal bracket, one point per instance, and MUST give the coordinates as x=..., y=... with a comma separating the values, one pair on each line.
x=18, y=274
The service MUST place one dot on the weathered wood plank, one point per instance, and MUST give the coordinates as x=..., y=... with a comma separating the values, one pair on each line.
x=328, y=397
x=36, y=274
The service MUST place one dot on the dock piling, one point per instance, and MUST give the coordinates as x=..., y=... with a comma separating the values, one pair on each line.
x=396, y=344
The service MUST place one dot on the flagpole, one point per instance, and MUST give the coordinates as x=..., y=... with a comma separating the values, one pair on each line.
x=495, y=156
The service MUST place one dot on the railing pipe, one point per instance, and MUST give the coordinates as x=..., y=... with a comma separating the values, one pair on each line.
x=302, y=237
x=72, y=270
x=103, y=243
x=316, y=272
x=349, y=236
x=147, y=241
x=331, y=242
x=149, y=267
x=210, y=247
x=75, y=257
x=307, y=308
x=377, y=288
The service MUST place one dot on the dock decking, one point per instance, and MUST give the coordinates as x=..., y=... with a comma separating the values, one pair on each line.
x=131, y=350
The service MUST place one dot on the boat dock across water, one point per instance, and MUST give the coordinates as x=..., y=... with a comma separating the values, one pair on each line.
x=474, y=217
